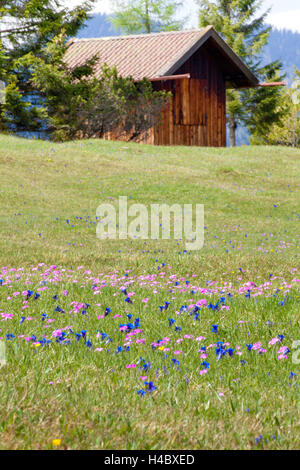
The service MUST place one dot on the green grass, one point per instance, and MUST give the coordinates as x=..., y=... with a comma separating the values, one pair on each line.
x=88, y=398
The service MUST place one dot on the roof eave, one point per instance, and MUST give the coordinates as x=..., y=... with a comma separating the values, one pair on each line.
x=250, y=79
x=169, y=70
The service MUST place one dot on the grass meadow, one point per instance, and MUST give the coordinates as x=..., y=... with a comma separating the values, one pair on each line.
x=142, y=344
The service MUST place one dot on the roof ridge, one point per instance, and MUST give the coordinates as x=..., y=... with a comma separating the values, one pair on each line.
x=129, y=36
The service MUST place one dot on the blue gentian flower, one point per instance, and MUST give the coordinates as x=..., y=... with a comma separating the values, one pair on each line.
x=230, y=351
x=58, y=309
x=150, y=386
x=214, y=307
x=205, y=364
x=175, y=361
x=29, y=294
x=146, y=366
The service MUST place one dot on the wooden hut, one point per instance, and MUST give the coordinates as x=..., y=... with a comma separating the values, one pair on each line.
x=196, y=66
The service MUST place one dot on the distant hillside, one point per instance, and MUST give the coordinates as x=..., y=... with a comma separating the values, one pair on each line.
x=98, y=26
x=284, y=45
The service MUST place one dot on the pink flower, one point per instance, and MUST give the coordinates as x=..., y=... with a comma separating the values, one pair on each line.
x=281, y=356
x=98, y=349
x=200, y=338
x=274, y=341
x=130, y=366
x=203, y=371
x=282, y=350
x=56, y=333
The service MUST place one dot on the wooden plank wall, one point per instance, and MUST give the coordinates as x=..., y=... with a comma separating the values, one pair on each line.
x=197, y=112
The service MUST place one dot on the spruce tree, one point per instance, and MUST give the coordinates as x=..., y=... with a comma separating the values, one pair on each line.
x=246, y=32
x=27, y=26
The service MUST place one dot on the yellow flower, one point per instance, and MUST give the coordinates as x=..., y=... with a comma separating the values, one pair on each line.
x=161, y=348
x=56, y=442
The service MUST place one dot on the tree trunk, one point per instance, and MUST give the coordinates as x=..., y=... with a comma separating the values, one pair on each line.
x=232, y=131
x=147, y=18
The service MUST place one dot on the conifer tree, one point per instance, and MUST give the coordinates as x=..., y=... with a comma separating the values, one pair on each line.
x=27, y=26
x=245, y=31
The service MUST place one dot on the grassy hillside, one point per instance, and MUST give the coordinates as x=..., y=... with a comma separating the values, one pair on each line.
x=50, y=193
x=140, y=344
